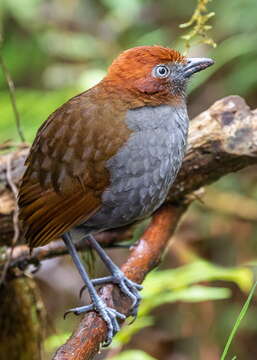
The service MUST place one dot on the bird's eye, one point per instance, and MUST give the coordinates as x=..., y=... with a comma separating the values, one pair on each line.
x=161, y=71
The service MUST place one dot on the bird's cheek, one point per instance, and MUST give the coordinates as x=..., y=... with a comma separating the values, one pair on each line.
x=148, y=86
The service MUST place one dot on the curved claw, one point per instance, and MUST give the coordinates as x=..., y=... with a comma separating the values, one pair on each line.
x=134, y=317
x=133, y=312
x=81, y=291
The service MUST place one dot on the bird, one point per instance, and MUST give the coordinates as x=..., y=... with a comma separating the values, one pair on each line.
x=107, y=158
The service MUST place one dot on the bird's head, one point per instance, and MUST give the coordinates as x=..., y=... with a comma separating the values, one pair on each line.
x=155, y=73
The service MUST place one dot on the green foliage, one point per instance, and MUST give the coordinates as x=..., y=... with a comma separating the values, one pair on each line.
x=34, y=107
x=197, y=271
x=132, y=354
x=181, y=285
x=127, y=332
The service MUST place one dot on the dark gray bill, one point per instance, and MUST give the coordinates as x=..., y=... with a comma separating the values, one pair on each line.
x=194, y=65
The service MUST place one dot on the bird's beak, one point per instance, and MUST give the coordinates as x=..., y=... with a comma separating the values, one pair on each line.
x=194, y=65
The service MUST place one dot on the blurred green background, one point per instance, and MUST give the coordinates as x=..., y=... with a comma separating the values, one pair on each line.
x=56, y=49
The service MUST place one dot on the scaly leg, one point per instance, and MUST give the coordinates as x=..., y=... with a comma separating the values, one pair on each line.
x=127, y=286
x=108, y=314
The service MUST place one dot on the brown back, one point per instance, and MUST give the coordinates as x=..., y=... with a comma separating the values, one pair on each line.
x=66, y=173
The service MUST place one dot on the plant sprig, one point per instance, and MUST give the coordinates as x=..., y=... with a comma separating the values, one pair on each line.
x=199, y=25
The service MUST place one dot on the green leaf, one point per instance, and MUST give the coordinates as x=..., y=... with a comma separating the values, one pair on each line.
x=194, y=294
x=197, y=271
x=238, y=322
x=133, y=355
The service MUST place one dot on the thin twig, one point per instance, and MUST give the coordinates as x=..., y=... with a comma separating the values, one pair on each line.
x=22, y=259
x=11, y=89
x=6, y=145
x=15, y=218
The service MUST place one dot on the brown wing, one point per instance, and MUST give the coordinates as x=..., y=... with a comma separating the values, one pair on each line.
x=66, y=174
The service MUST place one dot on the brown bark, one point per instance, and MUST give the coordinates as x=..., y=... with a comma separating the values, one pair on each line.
x=223, y=139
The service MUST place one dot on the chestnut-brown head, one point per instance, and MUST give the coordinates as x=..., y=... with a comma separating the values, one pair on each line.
x=155, y=71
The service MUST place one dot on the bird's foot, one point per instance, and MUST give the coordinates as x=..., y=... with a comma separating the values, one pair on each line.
x=128, y=287
x=108, y=314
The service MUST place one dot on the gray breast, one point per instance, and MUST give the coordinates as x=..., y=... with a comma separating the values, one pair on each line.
x=145, y=167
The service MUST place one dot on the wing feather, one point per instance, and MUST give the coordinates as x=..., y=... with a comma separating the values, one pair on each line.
x=66, y=173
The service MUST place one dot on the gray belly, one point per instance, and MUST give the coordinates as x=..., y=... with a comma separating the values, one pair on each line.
x=144, y=168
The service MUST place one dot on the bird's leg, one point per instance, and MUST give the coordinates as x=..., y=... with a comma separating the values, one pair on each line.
x=127, y=286
x=108, y=314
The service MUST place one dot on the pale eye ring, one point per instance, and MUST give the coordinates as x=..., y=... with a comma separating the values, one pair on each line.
x=161, y=71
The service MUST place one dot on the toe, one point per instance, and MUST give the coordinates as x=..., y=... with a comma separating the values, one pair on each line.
x=128, y=292
x=79, y=310
x=110, y=316
x=118, y=314
x=132, y=284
